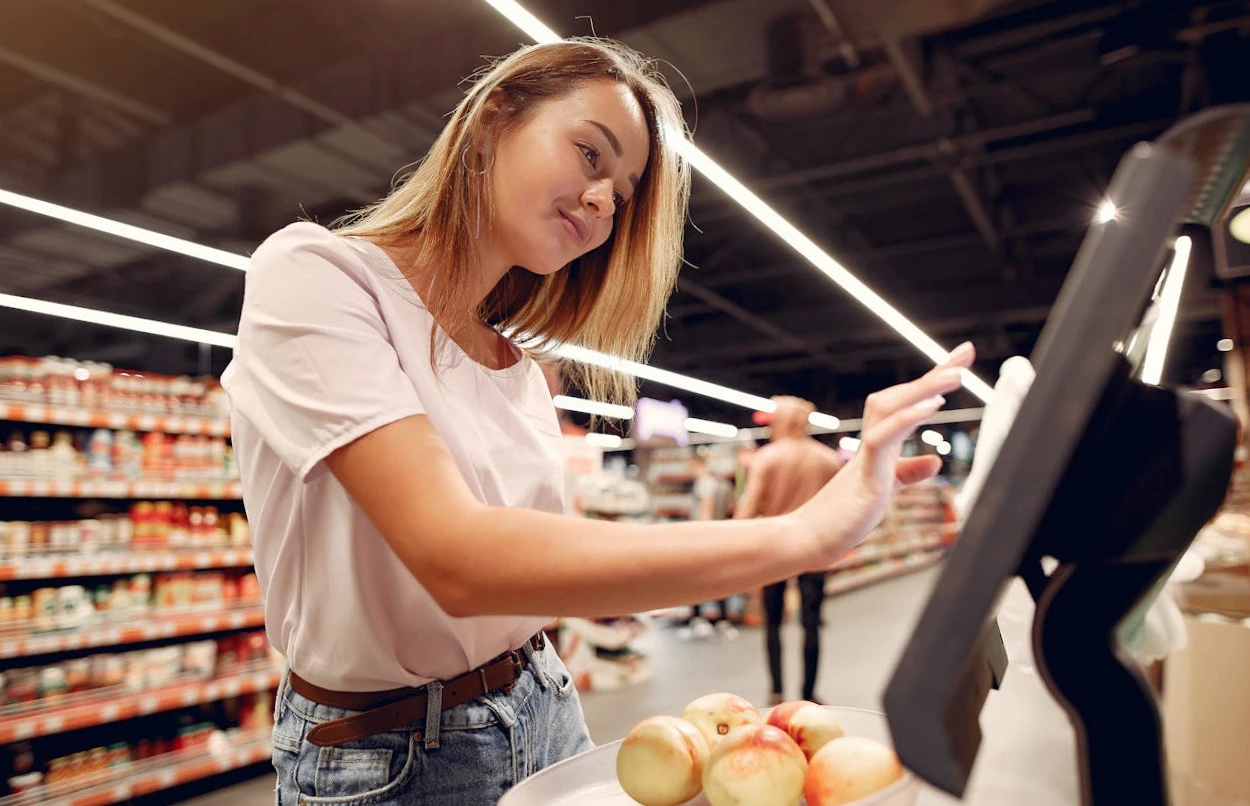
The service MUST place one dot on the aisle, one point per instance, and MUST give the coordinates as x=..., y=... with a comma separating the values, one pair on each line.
x=863, y=633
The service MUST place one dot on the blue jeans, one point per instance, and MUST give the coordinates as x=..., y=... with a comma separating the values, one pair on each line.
x=469, y=754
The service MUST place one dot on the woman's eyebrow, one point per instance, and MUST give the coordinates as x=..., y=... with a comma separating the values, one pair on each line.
x=616, y=148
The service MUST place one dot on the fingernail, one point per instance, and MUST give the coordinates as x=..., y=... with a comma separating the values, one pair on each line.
x=950, y=375
x=930, y=404
x=960, y=352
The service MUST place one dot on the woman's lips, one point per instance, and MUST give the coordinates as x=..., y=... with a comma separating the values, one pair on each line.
x=577, y=229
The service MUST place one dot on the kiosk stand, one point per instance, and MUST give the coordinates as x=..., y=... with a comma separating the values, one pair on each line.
x=1108, y=476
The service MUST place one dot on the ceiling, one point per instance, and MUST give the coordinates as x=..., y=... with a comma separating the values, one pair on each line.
x=949, y=152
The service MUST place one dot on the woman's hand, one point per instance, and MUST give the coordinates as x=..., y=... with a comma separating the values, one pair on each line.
x=842, y=514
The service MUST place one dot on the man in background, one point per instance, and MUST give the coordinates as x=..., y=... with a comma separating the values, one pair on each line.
x=782, y=476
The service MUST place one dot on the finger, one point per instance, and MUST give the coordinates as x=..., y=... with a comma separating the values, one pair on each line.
x=883, y=404
x=888, y=435
x=917, y=468
x=962, y=356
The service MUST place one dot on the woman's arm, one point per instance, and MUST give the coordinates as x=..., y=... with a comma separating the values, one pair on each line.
x=478, y=560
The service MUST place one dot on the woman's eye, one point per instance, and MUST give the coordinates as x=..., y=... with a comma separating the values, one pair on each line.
x=618, y=201
x=591, y=154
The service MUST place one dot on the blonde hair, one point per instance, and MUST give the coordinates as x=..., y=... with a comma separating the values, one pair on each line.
x=610, y=299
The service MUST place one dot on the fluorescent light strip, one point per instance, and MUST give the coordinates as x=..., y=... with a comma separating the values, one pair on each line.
x=609, y=441
x=826, y=421
x=585, y=406
x=128, y=231
x=120, y=321
x=1169, y=303
x=665, y=377
x=774, y=221
x=711, y=428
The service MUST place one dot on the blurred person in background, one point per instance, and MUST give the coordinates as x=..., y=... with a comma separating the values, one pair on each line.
x=782, y=476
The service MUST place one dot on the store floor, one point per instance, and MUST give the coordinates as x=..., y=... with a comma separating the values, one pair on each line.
x=864, y=632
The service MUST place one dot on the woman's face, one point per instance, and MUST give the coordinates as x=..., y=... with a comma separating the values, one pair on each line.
x=561, y=175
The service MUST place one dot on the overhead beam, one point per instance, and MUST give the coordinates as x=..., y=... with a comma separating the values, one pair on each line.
x=82, y=87
x=757, y=323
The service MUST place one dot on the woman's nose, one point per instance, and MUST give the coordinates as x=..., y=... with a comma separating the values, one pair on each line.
x=598, y=197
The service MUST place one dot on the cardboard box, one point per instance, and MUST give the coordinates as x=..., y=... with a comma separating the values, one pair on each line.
x=1206, y=713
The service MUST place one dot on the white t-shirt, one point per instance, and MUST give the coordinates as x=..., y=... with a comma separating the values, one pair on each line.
x=334, y=343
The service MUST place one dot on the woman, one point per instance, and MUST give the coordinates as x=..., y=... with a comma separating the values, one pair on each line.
x=399, y=455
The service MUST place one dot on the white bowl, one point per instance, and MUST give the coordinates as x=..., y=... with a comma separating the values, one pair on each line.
x=589, y=779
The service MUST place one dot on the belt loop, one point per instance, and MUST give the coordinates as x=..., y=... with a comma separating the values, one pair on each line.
x=433, y=713
x=279, y=704
x=531, y=655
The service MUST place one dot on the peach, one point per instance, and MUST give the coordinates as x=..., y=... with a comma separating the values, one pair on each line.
x=755, y=765
x=848, y=769
x=810, y=725
x=661, y=761
x=717, y=714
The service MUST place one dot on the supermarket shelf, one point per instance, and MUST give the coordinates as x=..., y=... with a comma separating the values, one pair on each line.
x=62, y=415
x=155, y=774
x=95, y=708
x=81, y=565
x=868, y=553
x=852, y=580
x=152, y=629
x=43, y=488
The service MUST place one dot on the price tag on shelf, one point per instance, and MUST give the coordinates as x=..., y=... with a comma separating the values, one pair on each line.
x=121, y=793
x=238, y=619
x=148, y=423
x=149, y=705
x=191, y=696
x=73, y=641
x=113, y=489
x=177, y=425
x=209, y=624
x=8, y=649
x=109, y=637
x=203, y=560
x=110, y=713
x=53, y=724
x=24, y=730
x=168, y=778
x=39, y=488
x=116, y=420
x=231, y=687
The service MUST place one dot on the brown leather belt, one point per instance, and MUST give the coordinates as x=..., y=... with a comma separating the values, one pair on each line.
x=392, y=709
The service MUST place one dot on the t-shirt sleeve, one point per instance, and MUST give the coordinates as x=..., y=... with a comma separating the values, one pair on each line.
x=315, y=367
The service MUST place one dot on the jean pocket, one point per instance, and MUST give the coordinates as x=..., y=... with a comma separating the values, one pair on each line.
x=558, y=676
x=373, y=771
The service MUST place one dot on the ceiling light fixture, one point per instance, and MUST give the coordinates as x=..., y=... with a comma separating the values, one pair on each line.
x=770, y=218
x=120, y=321
x=1107, y=212
x=609, y=441
x=1169, y=303
x=711, y=428
x=581, y=404
x=128, y=231
x=1239, y=226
